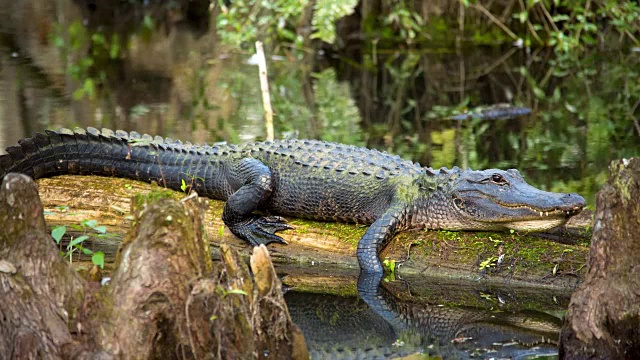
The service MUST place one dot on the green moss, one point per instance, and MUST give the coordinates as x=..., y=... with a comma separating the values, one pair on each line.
x=141, y=198
x=514, y=255
x=348, y=233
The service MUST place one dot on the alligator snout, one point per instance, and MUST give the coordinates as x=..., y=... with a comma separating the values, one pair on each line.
x=573, y=201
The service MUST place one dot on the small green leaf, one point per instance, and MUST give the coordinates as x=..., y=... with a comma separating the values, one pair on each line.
x=78, y=93
x=101, y=229
x=98, y=259
x=58, y=232
x=183, y=187
x=147, y=22
x=237, y=291
x=77, y=241
x=114, y=50
x=538, y=92
x=89, y=223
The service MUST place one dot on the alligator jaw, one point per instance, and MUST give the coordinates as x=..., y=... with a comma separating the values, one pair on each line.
x=543, y=219
x=535, y=225
x=525, y=218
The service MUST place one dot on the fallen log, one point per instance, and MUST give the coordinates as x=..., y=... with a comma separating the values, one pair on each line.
x=527, y=259
x=603, y=321
x=165, y=300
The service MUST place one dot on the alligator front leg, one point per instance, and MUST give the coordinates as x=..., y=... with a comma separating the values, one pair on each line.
x=252, y=179
x=377, y=237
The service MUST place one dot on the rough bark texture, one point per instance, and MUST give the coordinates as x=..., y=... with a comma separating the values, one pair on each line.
x=39, y=294
x=246, y=320
x=163, y=254
x=165, y=300
x=604, y=314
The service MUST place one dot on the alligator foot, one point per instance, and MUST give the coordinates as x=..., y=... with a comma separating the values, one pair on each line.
x=261, y=230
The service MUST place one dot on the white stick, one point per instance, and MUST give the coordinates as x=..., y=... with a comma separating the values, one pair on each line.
x=264, y=86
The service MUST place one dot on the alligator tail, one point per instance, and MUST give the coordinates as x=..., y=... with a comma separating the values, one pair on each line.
x=109, y=153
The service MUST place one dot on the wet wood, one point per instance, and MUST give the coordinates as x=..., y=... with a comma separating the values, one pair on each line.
x=165, y=299
x=603, y=321
x=554, y=259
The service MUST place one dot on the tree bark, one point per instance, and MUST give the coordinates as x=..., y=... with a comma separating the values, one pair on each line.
x=39, y=294
x=603, y=321
x=165, y=300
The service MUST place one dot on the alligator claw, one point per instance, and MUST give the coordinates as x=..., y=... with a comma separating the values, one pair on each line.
x=261, y=230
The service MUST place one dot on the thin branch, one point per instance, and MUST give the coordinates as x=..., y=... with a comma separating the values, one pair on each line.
x=548, y=16
x=264, y=86
x=497, y=21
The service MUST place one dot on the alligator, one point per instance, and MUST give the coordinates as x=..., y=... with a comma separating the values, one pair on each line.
x=303, y=178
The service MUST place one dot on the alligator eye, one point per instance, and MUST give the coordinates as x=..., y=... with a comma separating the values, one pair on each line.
x=498, y=179
x=459, y=203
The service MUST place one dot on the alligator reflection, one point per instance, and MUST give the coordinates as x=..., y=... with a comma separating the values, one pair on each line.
x=381, y=326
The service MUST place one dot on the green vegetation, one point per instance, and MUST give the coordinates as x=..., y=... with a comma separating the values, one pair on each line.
x=390, y=267
x=336, y=110
x=89, y=69
x=246, y=21
x=140, y=199
x=89, y=228
x=564, y=25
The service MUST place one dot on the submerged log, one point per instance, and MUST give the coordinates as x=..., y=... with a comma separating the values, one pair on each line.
x=603, y=321
x=165, y=300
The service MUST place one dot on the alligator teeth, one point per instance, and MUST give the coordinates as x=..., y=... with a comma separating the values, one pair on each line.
x=540, y=213
x=546, y=213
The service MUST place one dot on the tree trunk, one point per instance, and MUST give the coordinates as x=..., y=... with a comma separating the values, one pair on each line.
x=604, y=314
x=39, y=294
x=165, y=299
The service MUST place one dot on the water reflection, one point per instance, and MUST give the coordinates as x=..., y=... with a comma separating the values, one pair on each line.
x=380, y=325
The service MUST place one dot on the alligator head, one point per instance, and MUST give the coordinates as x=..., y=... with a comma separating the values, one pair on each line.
x=497, y=200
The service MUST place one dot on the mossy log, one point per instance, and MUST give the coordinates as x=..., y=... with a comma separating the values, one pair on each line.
x=165, y=300
x=553, y=259
x=603, y=321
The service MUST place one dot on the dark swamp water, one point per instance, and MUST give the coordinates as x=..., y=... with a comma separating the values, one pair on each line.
x=63, y=66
